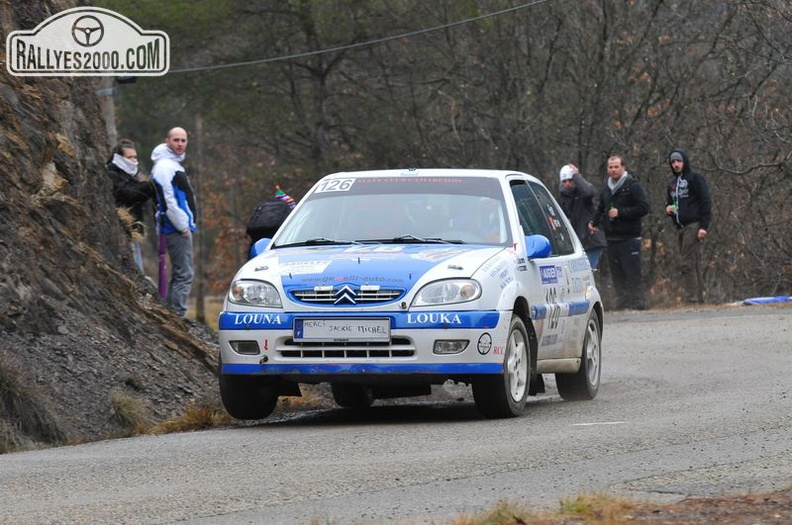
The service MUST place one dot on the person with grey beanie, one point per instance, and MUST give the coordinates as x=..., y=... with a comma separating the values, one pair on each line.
x=689, y=206
x=576, y=197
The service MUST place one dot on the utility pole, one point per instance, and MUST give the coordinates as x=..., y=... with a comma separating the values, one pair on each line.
x=200, y=312
x=104, y=92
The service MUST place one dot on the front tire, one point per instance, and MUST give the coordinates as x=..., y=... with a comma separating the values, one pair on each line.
x=247, y=397
x=584, y=384
x=505, y=395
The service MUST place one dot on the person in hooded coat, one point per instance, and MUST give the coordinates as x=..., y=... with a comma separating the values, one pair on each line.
x=131, y=191
x=576, y=197
x=689, y=206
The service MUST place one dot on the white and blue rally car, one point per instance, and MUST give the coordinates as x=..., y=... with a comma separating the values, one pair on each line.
x=383, y=283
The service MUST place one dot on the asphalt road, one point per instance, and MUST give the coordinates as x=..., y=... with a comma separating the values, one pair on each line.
x=693, y=403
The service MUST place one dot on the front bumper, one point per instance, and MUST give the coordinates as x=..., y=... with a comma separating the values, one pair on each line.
x=269, y=345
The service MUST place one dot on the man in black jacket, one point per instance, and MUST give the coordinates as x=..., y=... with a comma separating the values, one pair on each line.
x=622, y=204
x=689, y=206
x=576, y=197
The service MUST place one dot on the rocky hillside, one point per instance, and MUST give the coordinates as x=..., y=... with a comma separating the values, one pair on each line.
x=83, y=332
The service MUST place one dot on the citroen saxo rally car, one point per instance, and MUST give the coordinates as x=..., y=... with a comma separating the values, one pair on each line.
x=383, y=283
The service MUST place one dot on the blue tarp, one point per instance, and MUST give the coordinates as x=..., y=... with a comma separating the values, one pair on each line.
x=768, y=300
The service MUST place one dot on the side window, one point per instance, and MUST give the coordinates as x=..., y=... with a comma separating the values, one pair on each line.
x=561, y=237
x=539, y=214
x=530, y=211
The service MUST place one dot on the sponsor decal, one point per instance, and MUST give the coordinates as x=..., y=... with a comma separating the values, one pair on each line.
x=499, y=269
x=549, y=274
x=433, y=318
x=489, y=264
x=375, y=249
x=438, y=254
x=236, y=320
x=302, y=267
x=484, y=344
x=579, y=265
x=379, y=279
x=87, y=41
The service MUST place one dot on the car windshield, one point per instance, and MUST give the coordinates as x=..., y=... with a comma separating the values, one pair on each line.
x=400, y=210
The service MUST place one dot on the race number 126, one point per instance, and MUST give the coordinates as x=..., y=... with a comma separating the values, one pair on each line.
x=335, y=185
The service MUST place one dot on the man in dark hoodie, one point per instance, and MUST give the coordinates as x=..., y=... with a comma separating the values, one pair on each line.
x=689, y=206
x=621, y=206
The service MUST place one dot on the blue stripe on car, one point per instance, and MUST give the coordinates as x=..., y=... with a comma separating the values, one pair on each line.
x=540, y=311
x=399, y=320
x=360, y=368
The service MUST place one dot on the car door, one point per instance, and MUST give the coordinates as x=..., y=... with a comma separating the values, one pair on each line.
x=559, y=299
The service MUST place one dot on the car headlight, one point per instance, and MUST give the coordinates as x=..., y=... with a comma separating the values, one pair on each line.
x=448, y=292
x=254, y=293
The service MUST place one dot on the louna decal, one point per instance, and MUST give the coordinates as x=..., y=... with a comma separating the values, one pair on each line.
x=258, y=320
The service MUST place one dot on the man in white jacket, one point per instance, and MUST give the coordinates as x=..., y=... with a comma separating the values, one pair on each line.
x=176, y=214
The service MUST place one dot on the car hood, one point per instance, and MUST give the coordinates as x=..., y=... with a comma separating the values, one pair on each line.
x=388, y=265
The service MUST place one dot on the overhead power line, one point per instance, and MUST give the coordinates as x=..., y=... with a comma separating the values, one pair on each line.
x=359, y=44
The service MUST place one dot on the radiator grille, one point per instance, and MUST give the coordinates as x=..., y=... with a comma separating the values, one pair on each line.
x=398, y=347
x=328, y=295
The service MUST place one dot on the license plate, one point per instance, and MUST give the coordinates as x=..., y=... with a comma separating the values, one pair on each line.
x=342, y=330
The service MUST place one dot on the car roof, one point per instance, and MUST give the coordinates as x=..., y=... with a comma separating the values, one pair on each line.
x=433, y=172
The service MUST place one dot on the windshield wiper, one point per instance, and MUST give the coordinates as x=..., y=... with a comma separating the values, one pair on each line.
x=414, y=239
x=409, y=237
x=316, y=241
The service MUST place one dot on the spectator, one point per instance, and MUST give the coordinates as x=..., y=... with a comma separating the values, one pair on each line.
x=268, y=217
x=622, y=204
x=176, y=213
x=132, y=189
x=576, y=197
x=689, y=207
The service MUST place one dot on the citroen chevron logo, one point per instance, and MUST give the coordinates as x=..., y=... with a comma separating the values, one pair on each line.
x=345, y=294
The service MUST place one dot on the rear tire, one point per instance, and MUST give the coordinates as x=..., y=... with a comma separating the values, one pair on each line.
x=351, y=396
x=247, y=397
x=584, y=384
x=505, y=395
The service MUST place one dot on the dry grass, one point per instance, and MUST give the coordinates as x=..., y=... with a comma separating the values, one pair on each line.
x=129, y=411
x=22, y=412
x=586, y=509
x=599, y=509
x=198, y=416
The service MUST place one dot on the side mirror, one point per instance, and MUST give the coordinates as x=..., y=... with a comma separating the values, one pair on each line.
x=259, y=247
x=537, y=246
